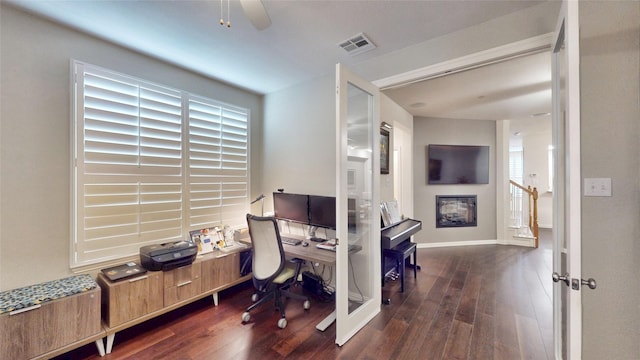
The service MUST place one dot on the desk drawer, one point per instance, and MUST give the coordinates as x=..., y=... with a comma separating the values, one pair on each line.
x=217, y=272
x=130, y=299
x=182, y=283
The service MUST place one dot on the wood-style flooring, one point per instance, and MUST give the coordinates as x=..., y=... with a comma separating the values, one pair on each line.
x=476, y=302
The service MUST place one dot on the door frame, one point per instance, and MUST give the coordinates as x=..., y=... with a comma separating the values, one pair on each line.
x=545, y=42
x=567, y=204
x=349, y=323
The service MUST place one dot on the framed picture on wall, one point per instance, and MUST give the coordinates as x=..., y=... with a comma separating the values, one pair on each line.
x=384, y=151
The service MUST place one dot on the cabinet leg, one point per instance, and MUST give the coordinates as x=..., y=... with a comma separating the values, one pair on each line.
x=100, y=346
x=215, y=298
x=110, y=339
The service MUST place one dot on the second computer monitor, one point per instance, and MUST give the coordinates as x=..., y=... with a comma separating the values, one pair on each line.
x=322, y=211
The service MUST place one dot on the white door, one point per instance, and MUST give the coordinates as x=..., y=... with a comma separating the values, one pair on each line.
x=567, y=307
x=358, y=282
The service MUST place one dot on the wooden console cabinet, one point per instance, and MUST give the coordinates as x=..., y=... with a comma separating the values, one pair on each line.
x=131, y=301
x=52, y=328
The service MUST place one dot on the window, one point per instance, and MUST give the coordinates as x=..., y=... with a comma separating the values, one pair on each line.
x=151, y=163
x=516, y=173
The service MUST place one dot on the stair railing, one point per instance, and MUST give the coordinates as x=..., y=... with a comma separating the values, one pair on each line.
x=532, y=204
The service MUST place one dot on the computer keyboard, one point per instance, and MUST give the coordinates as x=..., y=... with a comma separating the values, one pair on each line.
x=290, y=241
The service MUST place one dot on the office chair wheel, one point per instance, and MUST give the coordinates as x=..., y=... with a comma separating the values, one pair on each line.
x=246, y=317
x=306, y=305
x=254, y=297
x=282, y=323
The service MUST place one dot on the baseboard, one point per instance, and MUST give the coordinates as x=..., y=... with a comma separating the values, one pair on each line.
x=525, y=242
x=520, y=241
x=457, y=243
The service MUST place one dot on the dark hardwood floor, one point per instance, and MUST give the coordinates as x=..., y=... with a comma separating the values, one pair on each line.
x=477, y=302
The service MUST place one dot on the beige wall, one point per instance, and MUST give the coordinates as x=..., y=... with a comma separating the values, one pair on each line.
x=610, y=141
x=455, y=132
x=35, y=135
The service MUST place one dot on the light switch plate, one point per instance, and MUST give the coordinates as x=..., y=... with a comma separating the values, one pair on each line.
x=597, y=187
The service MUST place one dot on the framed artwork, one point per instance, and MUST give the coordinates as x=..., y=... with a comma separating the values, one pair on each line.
x=384, y=151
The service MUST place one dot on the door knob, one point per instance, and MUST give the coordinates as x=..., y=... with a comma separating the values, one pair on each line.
x=557, y=277
x=591, y=283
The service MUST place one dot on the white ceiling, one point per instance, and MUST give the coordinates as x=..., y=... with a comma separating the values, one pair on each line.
x=513, y=89
x=302, y=43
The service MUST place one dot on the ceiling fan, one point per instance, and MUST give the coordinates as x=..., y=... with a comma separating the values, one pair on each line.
x=257, y=14
x=253, y=9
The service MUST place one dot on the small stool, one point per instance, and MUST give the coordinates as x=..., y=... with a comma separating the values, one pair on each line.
x=400, y=253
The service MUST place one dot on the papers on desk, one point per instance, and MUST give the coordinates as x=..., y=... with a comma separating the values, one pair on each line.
x=233, y=246
x=332, y=247
x=325, y=246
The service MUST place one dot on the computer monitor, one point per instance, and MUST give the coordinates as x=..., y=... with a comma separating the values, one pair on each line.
x=291, y=207
x=322, y=211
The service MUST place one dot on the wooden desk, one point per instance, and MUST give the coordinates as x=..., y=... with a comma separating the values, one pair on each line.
x=310, y=253
x=314, y=255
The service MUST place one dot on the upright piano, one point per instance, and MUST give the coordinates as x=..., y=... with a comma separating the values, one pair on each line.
x=393, y=237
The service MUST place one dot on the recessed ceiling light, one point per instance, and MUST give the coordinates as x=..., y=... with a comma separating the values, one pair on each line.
x=418, y=105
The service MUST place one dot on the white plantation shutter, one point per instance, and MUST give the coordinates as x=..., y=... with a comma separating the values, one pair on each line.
x=218, y=164
x=134, y=166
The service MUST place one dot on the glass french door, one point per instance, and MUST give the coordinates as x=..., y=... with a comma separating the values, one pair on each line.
x=567, y=305
x=358, y=282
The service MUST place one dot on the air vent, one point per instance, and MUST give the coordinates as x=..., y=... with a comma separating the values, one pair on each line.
x=357, y=44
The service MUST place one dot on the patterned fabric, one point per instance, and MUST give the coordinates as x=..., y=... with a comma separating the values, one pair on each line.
x=27, y=296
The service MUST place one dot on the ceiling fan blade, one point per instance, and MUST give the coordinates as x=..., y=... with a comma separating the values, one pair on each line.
x=255, y=11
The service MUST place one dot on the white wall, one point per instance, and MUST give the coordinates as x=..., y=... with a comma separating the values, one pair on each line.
x=525, y=24
x=456, y=132
x=299, y=147
x=610, y=143
x=401, y=140
x=535, y=143
x=35, y=135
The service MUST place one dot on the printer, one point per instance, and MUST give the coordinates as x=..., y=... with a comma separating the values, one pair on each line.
x=168, y=256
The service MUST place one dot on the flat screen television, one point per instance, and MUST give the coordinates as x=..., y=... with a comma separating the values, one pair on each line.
x=322, y=211
x=457, y=164
x=291, y=207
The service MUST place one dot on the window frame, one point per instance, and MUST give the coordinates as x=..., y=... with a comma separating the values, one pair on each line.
x=80, y=256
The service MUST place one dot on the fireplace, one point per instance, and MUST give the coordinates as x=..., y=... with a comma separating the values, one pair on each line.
x=456, y=211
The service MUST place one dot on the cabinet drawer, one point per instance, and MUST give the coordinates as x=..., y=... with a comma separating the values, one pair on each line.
x=130, y=298
x=182, y=283
x=220, y=271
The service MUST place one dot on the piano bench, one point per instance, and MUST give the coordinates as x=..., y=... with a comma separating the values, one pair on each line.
x=400, y=253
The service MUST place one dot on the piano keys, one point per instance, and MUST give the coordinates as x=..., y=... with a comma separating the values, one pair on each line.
x=391, y=236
